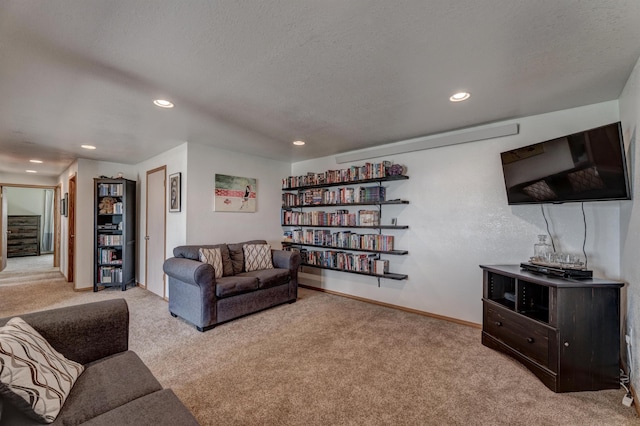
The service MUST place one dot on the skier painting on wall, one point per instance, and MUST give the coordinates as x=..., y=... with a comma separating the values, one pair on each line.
x=235, y=194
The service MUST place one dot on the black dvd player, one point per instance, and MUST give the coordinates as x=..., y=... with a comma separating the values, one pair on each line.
x=555, y=271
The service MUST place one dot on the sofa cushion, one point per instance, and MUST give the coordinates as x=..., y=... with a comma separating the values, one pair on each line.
x=162, y=408
x=268, y=278
x=213, y=257
x=230, y=286
x=193, y=252
x=237, y=255
x=35, y=377
x=107, y=384
x=257, y=257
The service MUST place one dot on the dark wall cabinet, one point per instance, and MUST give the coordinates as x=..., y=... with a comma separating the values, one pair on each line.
x=566, y=331
x=115, y=233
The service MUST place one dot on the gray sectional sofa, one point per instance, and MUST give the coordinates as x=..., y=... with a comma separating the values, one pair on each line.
x=116, y=387
x=196, y=296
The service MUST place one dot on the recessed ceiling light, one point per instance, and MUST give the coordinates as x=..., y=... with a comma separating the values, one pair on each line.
x=31, y=171
x=163, y=103
x=299, y=143
x=88, y=146
x=36, y=161
x=460, y=96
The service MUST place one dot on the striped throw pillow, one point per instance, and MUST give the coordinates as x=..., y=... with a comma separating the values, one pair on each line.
x=213, y=257
x=34, y=376
x=257, y=257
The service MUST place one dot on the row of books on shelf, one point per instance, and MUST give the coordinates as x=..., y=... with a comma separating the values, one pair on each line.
x=109, y=255
x=110, y=226
x=110, y=240
x=109, y=274
x=362, y=194
x=352, y=174
x=368, y=263
x=113, y=189
x=337, y=218
x=342, y=239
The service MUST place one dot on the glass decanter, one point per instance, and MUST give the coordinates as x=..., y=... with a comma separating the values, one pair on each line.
x=542, y=249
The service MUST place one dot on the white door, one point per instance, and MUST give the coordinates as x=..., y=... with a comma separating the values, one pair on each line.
x=3, y=229
x=155, y=231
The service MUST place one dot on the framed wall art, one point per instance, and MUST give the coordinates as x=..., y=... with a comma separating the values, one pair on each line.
x=234, y=194
x=64, y=205
x=175, y=193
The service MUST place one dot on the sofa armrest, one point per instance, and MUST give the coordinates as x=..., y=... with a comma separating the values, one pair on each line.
x=189, y=271
x=84, y=333
x=287, y=259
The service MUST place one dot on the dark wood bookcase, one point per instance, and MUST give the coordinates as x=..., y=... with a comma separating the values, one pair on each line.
x=566, y=331
x=114, y=233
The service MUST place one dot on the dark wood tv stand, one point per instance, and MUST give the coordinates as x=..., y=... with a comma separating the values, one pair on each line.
x=566, y=331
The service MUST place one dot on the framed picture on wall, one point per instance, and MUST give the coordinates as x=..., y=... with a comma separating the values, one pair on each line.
x=174, y=192
x=234, y=194
x=64, y=205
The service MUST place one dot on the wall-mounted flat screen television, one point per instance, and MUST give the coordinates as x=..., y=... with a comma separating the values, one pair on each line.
x=584, y=166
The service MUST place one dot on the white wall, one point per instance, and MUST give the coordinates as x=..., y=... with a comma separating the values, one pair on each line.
x=204, y=226
x=630, y=218
x=27, y=179
x=25, y=201
x=197, y=222
x=458, y=218
x=175, y=161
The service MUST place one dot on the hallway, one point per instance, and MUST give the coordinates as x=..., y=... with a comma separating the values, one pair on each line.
x=29, y=269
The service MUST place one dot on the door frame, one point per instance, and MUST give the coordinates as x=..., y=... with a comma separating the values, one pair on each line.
x=3, y=229
x=57, y=220
x=56, y=215
x=146, y=224
x=71, y=229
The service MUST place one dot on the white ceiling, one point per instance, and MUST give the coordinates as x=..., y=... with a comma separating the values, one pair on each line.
x=253, y=76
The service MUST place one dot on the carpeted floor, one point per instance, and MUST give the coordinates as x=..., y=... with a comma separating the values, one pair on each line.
x=29, y=269
x=329, y=360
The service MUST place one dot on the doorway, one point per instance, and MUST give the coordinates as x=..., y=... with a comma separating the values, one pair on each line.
x=155, y=237
x=71, y=237
x=29, y=227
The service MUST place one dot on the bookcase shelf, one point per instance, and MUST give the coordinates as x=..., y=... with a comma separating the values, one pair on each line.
x=293, y=204
x=393, y=252
x=351, y=227
x=114, y=233
x=347, y=183
x=388, y=275
x=378, y=203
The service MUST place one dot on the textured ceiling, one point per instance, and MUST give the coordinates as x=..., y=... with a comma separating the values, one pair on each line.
x=253, y=76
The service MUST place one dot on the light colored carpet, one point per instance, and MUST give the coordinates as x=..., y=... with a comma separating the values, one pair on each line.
x=329, y=360
x=29, y=269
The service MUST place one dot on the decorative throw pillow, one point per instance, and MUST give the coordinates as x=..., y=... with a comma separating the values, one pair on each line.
x=214, y=258
x=256, y=257
x=33, y=375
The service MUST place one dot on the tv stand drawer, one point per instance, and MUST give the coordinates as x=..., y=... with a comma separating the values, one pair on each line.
x=522, y=334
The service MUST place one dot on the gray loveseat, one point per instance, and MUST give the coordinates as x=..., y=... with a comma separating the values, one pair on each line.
x=116, y=388
x=196, y=296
